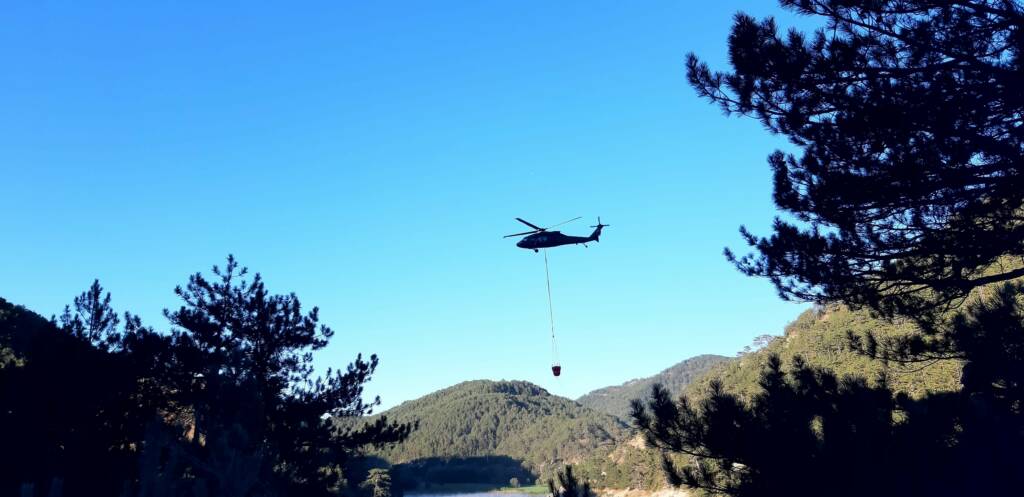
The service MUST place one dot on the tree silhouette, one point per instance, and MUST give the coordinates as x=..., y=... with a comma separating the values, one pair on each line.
x=806, y=433
x=249, y=355
x=906, y=198
x=93, y=320
x=569, y=486
x=226, y=403
x=74, y=409
x=909, y=186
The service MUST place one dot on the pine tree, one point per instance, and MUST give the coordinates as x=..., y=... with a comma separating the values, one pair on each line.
x=248, y=358
x=907, y=198
x=569, y=486
x=226, y=403
x=93, y=320
x=378, y=483
x=909, y=187
x=806, y=433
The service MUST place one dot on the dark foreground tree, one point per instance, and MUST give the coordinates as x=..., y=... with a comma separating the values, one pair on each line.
x=224, y=404
x=568, y=485
x=248, y=358
x=807, y=433
x=908, y=191
x=76, y=399
x=908, y=198
x=93, y=320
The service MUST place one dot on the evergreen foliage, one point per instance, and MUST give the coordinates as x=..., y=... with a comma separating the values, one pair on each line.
x=225, y=403
x=908, y=194
x=476, y=473
x=908, y=189
x=615, y=400
x=802, y=434
x=820, y=337
x=72, y=413
x=569, y=486
x=483, y=418
x=93, y=321
x=631, y=464
x=378, y=483
x=250, y=355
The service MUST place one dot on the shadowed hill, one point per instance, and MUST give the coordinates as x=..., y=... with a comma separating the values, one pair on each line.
x=516, y=419
x=615, y=400
x=19, y=326
x=226, y=403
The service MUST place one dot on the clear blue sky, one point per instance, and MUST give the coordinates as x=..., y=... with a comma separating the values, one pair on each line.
x=370, y=155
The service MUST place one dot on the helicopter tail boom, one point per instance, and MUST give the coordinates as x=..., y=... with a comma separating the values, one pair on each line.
x=596, y=235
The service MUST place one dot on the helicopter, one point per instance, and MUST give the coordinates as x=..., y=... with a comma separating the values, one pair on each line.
x=540, y=238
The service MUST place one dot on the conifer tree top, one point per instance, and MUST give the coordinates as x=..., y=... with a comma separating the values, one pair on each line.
x=909, y=116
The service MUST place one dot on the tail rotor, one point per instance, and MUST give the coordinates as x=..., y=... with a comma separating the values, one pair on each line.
x=596, y=235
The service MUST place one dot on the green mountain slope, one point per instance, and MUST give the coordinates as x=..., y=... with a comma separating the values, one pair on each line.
x=819, y=336
x=514, y=419
x=520, y=423
x=615, y=400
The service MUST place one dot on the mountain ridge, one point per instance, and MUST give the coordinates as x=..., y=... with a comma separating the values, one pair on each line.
x=487, y=420
x=615, y=399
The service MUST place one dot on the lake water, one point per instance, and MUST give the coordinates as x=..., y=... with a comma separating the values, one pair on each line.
x=470, y=494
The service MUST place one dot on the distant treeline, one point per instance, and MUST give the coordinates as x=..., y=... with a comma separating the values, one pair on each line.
x=615, y=400
x=464, y=428
x=486, y=471
x=506, y=423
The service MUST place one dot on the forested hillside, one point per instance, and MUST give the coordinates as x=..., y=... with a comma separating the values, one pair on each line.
x=615, y=400
x=489, y=432
x=819, y=336
x=515, y=419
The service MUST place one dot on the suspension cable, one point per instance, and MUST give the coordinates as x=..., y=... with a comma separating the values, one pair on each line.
x=551, y=310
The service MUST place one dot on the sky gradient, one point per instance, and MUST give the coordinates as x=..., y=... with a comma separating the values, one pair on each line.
x=371, y=157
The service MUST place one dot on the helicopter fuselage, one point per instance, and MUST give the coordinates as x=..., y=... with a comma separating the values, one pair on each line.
x=548, y=239
x=541, y=238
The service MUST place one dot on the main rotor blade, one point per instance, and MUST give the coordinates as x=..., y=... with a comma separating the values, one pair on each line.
x=564, y=222
x=534, y=226
x=523, y=233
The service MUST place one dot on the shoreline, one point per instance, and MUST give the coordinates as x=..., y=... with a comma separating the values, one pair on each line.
x=619, y=492
x=534, y=491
